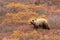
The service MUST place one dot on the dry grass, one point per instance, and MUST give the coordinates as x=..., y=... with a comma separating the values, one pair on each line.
x=16, y=19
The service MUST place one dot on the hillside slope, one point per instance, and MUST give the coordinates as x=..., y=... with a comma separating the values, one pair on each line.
x=15, y=16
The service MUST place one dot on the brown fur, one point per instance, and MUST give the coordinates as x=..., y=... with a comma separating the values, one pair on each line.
x=44, y=25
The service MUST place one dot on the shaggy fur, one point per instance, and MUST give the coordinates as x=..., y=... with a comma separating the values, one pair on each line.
x=40, y=23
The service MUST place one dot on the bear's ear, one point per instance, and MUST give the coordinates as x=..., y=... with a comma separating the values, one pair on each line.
x=32, y=20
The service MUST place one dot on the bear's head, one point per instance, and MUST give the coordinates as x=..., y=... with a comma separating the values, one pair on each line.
x=32, y=22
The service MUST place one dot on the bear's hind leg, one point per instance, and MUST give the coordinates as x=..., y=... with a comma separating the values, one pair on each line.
x=45, y=26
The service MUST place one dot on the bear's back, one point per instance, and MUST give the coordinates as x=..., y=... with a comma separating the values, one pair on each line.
x=40, y=21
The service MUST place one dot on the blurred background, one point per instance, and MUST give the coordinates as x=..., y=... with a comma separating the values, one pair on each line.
x=15, y=14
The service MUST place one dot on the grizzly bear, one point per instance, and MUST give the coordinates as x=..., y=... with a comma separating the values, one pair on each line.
x=37, y=23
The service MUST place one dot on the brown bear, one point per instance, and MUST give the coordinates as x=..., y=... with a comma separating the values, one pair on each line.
x=41, y=22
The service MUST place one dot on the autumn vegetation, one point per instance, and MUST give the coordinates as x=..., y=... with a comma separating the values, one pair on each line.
x=14, y=24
